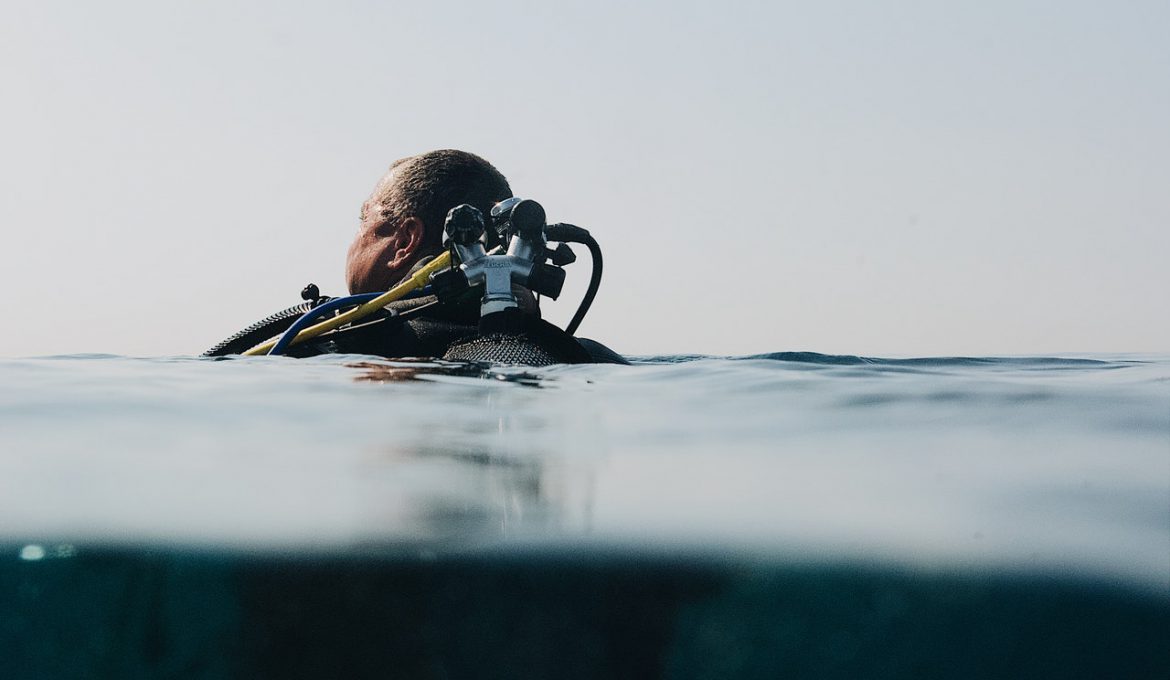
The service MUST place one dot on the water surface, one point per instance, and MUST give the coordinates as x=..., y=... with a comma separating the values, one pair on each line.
x=767, y=475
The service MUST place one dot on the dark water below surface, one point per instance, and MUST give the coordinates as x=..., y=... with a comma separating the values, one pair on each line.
x=785, y=514
x=144, y=613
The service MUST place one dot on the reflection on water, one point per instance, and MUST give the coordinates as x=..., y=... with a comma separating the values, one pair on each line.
x=486, y=494
x=493, y=484
x=403, y=370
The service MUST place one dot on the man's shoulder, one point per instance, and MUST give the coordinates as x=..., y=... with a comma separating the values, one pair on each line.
x=600, y=353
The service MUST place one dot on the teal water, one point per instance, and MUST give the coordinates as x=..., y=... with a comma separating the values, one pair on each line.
x=683, y=517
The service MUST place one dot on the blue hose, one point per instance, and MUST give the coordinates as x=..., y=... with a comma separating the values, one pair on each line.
x=314, y=314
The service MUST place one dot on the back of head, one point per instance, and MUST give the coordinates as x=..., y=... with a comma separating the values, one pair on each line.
x=430, y=184
x=420, y=188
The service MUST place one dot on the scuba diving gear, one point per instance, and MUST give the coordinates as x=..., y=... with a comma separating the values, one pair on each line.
x=502, y=225
x=277, y=323
x=268, y=327
x=568, y=233
x=519, y=225
x=443, y=320
x=411, y=283
x=316, y=313
x=523, y=264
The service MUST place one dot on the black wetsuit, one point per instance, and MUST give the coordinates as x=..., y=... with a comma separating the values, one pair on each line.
x=426, y=328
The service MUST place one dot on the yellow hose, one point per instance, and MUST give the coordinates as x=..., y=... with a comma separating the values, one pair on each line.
x=416, y=281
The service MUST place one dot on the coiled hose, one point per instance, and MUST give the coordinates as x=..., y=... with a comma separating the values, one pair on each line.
x=259, y=331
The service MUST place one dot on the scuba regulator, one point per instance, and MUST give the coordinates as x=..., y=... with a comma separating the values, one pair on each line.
x=522, y=258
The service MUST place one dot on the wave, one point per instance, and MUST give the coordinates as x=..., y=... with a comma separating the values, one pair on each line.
x=929, y=362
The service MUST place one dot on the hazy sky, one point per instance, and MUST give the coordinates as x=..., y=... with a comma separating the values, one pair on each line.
x=895, y=178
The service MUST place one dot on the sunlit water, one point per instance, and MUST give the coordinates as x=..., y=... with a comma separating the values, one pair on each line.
x=1050, y=468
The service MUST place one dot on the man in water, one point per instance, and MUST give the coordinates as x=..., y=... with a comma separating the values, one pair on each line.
x=402, y=223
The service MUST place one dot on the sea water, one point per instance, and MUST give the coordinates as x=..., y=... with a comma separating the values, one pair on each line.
x=686, y=516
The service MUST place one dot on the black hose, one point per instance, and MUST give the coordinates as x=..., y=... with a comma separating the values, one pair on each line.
x=260, y=331
x=568, y=233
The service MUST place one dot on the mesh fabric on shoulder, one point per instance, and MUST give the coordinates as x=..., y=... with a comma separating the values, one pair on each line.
x=501, y=348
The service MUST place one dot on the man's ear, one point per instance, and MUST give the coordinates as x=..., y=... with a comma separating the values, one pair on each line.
x=407, y=242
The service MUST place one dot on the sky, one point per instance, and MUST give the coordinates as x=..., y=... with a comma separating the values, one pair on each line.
x=885, y=179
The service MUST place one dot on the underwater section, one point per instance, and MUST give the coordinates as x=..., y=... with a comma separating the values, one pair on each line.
x=130, y=613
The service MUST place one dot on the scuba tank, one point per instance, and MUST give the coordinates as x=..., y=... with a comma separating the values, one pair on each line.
x=460, y=306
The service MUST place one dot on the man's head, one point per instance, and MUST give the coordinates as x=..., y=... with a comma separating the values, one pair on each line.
x=402, y=221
